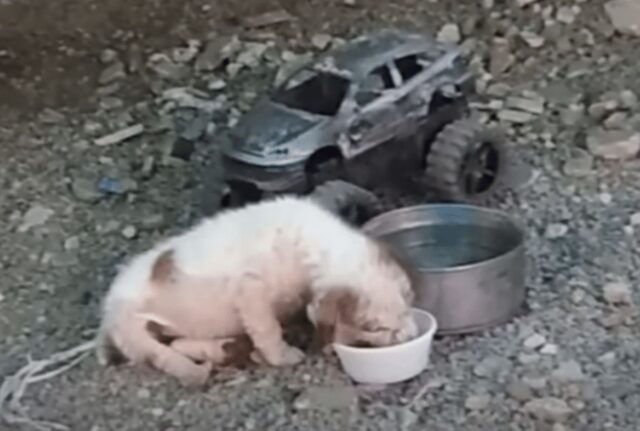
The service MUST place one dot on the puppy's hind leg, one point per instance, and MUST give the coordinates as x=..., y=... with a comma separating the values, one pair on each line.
x=234, y=351
x=138, y=344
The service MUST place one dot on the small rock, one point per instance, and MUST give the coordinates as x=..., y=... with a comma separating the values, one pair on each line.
x=624, y=15
x=217, y=84
x=523, y=3
x=549, y=349
x=449, y=33
x=537, y=383
x=50, y=116
x=617, y=293
x=556, y=230
x=112, y=73
x=628, y=100
x=528, y=358
x=233, y=69
x=580, y=165
x=85, y=190
x=72, y=243
x=157, y=412
x=321, y=41
x=635, y=219
x=277, y=16
x=599, y=110
x=566, y=15
x=477, y=402
x=548, y=408
x=185, y=54
x=578, y=296
x=614, y=144
x=534, y=105
x=532, y=39
x=519, y=391
x=216, y=52
x=515, y=116
x=120, y=135
x=569, y=371
x=500, y=58
x=116, y=185
x=608, y=359
x=534, y=341
x=327, y=398
x=252, y=54
x=108, y=56
x=499, y=89
x=605, y=198
x=558, y=427
x=129, y=232
x=35, y=216
x=617, y=120
x=153, y=221
x=166, y=68
x=144, y=393
x=572, y=115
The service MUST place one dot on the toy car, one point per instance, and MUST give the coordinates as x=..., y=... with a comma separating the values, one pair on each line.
x=385, y=104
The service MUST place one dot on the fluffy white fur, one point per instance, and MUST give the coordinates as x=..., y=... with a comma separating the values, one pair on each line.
x=244, y=271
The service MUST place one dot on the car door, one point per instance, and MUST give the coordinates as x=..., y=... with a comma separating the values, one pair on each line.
x=376, y=117
x=413, y=95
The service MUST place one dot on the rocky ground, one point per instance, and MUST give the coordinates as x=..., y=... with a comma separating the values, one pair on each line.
x=98, y=101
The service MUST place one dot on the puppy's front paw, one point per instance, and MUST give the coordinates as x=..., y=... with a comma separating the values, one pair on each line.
x=288, y=355
x=194, y=375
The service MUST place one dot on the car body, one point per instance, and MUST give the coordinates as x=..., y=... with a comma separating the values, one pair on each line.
x=371, y=90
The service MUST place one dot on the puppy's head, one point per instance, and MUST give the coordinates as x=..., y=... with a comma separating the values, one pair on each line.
x=343, y=316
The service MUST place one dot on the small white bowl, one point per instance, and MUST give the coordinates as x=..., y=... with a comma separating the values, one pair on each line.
x=383, y=365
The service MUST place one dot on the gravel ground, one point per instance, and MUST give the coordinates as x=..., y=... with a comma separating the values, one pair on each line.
x=561, y=76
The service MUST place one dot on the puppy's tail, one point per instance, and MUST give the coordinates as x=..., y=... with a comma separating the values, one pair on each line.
x=337, y=196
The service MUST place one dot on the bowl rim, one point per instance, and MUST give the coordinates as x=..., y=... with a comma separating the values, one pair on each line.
x=433, y=327
x=447, y=269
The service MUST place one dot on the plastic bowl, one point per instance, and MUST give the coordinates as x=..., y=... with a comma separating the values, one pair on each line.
x=392, y=364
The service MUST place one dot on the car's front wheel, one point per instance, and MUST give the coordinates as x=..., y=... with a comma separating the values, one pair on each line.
x=466, y=162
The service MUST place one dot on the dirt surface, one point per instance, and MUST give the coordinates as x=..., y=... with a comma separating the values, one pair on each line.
x=571, y=363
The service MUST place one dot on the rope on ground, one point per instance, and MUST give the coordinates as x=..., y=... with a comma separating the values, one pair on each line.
x=14, y=387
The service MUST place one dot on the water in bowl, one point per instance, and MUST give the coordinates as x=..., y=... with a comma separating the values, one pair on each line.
x=444, y=246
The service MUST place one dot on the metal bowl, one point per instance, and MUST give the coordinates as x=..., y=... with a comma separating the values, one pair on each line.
x=470, y=261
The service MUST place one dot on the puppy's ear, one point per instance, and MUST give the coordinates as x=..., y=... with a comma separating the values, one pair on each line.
x=390, y=255
x=335, y=306
x=163, y=268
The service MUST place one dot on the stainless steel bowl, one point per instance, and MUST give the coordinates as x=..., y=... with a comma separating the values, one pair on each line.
x=470, y=260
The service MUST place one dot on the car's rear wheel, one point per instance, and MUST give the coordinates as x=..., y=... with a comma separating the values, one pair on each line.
x=234, y=196
x=466, y=162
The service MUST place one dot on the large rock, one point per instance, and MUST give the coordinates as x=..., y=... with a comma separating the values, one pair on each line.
x=614, y=144
x=624, y=15
x=549, y=408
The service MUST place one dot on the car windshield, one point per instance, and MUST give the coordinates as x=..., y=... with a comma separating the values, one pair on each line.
x=313, y=91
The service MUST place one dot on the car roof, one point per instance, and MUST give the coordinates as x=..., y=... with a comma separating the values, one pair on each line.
x=361, y=55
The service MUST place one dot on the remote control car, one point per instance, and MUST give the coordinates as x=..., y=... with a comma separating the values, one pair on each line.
x=389, y=96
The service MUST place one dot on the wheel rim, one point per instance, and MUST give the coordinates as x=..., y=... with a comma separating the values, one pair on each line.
x=480, y=168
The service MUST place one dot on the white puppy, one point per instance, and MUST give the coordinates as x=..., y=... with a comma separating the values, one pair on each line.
x=244, y=271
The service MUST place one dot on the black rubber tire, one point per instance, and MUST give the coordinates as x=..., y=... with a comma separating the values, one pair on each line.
x=327, y=170
x=235, y=198
x=454, y=150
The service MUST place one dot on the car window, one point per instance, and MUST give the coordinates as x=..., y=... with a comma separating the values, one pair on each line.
x=314, y=92
x=373, y=85
x=410, y=65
